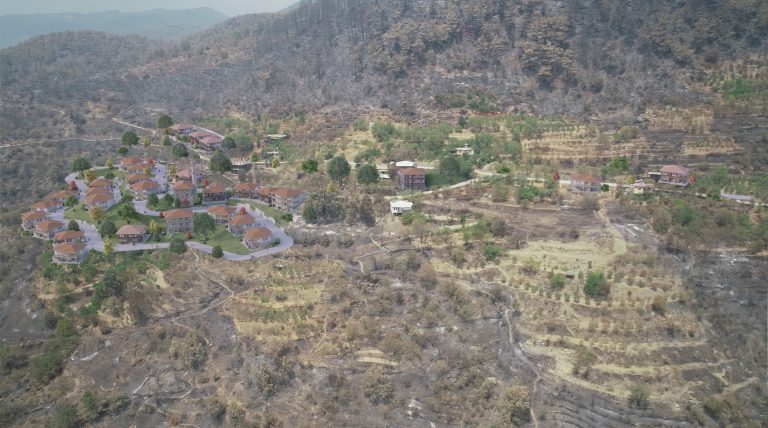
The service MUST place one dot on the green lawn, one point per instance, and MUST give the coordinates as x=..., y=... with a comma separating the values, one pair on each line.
x=220, y=237
x=102, y=172
x=267, y=210
x=78, y=212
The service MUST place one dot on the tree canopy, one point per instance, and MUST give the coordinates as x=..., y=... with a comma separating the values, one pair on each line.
x=178, y=245
x=220, y=162
x=129, y=138
x=180, y=150
x=203, y=223
x=339, y=169
x=164, y=121
x=80, y=165
x=367, y=174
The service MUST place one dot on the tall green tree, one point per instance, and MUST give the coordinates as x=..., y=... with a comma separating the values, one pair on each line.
x=228, y=143
x=80, y=165
x=72, y=225
x=108, y=228
x=367, y=174
x=129, y=138
x=164, y=122
x=220, y=162
x=203, y=223
x=180, y=150
x=450, y=167
x=339, y=169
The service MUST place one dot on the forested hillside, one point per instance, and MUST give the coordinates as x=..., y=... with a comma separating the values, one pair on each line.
x=579, y=57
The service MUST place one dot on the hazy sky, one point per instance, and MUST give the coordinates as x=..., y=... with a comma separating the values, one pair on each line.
x=228, y=7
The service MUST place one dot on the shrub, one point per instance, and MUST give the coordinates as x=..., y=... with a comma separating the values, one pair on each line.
x=491, y=252
x=639, y=397
x=178, y=245
x=514, y=406
x=217, y=252
x=596, y=285
x=377, y=386
x=659, y=305
x=557, y=280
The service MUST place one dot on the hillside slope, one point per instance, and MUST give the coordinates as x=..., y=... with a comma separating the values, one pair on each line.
x=578, y=58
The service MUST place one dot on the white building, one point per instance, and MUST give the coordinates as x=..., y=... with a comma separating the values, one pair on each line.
x=405, y=164
x=465, y=151
x=399, y=207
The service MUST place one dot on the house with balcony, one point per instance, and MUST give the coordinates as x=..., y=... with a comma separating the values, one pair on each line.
x=412, y=179
x=132, y=234
x=214, y=195
x=185, y=191
x=257, y=238
x=47, y=229
x=675, y=175
x=70, y=252
x=48, y=206
x=240, y=223
x=102, y=199
x=143, y=189
x=222, y=214
x=31, y=218
x=246, y=190
x=69, y=236
x=178, y=221
x=285, y=199
x=584, y=183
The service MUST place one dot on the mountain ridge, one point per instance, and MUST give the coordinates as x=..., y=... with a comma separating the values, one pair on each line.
x=155, y=23
x=576, y=59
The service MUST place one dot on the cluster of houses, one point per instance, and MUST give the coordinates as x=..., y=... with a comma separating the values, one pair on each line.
x=675, y=175
x=69, y=246
x=200, y=138
x=239, y=223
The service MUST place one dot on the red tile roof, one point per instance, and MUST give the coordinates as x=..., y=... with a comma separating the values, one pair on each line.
x=586, y=178
x=183, y=185
x=287, y=193
x=100, y=182
x=46, y=204
x=97, y=190
x=130, y=160
x=145, y=185
x=98, y=197
x=133, y=178
x=63, y=194
x=69, y=247
x=49, y=225
x=68, y=234
x=242, y=220
x=246, y=187
x=181, y=213
x=257, y=233
x=214, y=189
x=132, y=229
x=413, y=171
x=221, y=210
x=33, y=215
x=675, y=169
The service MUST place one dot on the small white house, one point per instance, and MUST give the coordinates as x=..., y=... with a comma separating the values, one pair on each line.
x=465, y=151
x=400, y=207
